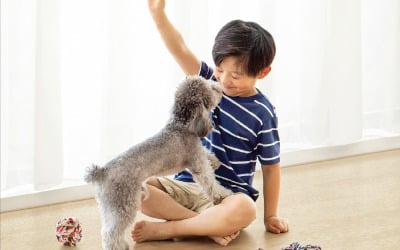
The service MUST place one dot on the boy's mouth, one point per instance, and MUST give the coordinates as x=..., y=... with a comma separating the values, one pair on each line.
x=229, y=87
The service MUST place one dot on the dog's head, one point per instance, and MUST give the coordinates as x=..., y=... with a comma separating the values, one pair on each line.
x=194, y=99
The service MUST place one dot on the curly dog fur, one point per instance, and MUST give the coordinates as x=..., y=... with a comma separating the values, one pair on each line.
x=177, y=146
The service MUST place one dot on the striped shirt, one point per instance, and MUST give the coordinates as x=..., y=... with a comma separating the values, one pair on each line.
x=245, y=130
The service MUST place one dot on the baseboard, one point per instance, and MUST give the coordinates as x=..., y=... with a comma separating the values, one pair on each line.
x=83, y=191
x=299, y=157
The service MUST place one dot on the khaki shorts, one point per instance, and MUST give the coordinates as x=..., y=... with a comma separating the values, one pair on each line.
x=188, y=194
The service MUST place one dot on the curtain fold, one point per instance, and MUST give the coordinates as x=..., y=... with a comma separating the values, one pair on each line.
x=48, y=139
x=342, y=74
x=380, y=66
x=84, y=80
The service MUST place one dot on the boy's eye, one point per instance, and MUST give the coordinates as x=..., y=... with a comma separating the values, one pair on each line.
x=235, y=77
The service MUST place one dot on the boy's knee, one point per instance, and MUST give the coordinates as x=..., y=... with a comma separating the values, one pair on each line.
x=241, y=210
x=147, y=204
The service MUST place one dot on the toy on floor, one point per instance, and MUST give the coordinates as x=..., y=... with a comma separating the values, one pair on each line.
x=69, y=231
x=297, y=246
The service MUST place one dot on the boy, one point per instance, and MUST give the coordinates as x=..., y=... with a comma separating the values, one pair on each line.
x=245, y=129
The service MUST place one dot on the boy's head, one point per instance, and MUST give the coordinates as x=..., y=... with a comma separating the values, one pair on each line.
x=248, y=42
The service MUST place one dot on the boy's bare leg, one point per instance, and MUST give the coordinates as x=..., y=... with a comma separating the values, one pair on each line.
x=170, y=209
x=224, y=220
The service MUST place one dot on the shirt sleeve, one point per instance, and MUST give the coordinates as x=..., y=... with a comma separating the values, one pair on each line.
x=268, y=147
x=206, y=71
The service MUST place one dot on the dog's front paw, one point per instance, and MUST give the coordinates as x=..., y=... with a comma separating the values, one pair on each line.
x=220, y=193
x=214, y=162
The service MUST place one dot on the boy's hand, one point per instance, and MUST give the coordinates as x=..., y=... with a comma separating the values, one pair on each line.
x=156, y=6
x=276, y=225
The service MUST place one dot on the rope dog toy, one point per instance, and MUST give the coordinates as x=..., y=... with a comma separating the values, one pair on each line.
x=69, y=231
x=297, y=246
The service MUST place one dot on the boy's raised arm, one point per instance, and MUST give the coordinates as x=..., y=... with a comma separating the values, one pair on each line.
x=173, y=40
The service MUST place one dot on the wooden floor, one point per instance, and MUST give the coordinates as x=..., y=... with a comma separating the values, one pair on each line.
x=351, y=203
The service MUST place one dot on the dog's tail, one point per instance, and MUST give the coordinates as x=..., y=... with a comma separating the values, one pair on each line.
x=94, y=173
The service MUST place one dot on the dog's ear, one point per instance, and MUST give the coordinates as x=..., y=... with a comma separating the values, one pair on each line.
x=200, y=125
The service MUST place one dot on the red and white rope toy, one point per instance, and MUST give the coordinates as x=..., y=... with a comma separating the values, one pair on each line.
x=69, y=231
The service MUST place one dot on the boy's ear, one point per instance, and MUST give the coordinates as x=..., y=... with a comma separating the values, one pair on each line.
x=264, y=72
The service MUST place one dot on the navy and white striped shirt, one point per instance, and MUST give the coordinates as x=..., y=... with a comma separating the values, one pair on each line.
x=245, y=129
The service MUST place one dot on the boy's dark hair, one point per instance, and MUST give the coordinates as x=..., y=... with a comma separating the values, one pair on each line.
x=249, y=42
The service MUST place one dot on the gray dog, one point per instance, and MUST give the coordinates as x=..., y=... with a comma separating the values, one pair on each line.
x=177, y=146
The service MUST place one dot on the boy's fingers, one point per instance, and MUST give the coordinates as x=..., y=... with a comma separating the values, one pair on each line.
x=274, y=229
x=284, y=226
x=280, y=227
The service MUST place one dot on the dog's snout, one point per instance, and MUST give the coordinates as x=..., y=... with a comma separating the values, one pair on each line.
x=216, y=87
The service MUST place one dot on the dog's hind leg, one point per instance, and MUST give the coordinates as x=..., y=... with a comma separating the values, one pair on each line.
x=118, y=217
x=113, y=231
x=203, y=174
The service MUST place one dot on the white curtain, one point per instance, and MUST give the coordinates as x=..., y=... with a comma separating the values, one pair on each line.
x=83, y=80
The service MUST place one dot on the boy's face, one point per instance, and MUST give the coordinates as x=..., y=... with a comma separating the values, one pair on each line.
x=234, y=82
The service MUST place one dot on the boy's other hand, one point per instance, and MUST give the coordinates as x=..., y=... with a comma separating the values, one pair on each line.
x=276, y=225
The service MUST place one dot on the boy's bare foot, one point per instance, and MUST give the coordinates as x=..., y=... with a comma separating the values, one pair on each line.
x=224, y=241
x=148, y=231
